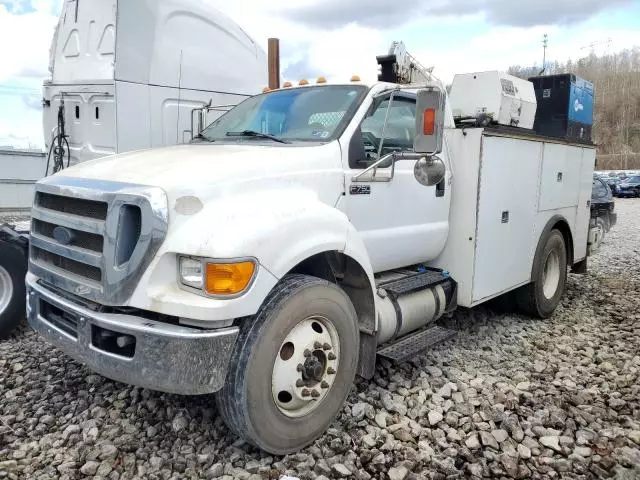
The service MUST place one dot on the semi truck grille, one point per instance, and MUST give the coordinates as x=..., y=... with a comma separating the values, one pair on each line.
x=96, y=244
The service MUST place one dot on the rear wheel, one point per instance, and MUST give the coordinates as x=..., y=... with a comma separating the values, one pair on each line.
x=601, y=230
x=13, y=269
x=541, y=297
x=293, y=366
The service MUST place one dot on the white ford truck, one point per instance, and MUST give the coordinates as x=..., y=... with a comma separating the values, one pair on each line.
x=303, y=233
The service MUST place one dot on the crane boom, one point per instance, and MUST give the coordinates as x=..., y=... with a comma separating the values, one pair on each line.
x=399, y=66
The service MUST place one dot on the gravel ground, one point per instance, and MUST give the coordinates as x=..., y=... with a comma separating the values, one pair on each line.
x=509, y=397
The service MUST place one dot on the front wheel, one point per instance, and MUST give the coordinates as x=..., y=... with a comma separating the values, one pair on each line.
x=13, y=269
x=292, y=367
x=541, y=297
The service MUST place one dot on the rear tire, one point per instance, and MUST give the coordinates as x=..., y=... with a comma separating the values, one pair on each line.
x=602, y=230
x=541, y=297
x=282, y=390
x=13, y=269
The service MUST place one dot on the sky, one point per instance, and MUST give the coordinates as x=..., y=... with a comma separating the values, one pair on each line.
x=339, y=38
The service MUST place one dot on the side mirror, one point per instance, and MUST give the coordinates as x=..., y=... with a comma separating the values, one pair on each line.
x=429, y=121
x=429, y=171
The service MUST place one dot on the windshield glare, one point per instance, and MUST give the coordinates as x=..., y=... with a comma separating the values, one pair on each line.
x=311, y=114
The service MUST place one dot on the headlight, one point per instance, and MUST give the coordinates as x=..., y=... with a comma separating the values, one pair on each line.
x=191, y=272
x=216, y=278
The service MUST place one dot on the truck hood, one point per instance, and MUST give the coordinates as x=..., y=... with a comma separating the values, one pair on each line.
x=196, y=168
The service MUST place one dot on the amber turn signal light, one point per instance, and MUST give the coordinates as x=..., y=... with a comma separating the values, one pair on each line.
x=429, y=121
x=228, y=278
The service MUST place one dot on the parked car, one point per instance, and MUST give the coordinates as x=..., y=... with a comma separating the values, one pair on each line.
x=630, y=187
x=612, y=181
x=603, y=217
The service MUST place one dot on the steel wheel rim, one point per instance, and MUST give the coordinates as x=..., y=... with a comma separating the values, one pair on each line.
x=305, y=366
x=6, y=289
x=551, y=275
x=599, y=236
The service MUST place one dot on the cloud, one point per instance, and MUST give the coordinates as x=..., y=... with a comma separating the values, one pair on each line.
x=33, y=102
x=532, y=13
x=388, y=14
x=25, y=40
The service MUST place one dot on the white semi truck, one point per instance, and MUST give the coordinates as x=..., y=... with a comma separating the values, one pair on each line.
x=304, y=233
x=127, y=75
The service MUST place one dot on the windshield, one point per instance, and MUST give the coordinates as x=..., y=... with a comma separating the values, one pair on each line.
x=310, y=114
x=632, y=180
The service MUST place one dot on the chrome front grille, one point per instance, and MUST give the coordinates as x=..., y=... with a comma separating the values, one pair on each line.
x=94, y=238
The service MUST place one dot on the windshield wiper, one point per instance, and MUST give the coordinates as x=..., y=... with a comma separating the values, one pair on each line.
x=253, y=133
x=200, y=137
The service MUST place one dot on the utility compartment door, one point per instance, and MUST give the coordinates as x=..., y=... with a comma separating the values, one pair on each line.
x=507, y=205
x=583, y=212
x=561, y=176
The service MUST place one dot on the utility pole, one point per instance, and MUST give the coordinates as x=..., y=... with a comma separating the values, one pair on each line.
x=545, y=42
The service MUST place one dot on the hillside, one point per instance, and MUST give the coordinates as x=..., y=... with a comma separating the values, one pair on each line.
x=616, y=79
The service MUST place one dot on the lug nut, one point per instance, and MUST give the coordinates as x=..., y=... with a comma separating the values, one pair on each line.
x=300, y=367
x=326, y=346
x=317, y=345
x=324, y=384
x=315, y=393
x=331, y=356
x=307, y=353
x=300, y=383
x=306, y=393
x=330, y=371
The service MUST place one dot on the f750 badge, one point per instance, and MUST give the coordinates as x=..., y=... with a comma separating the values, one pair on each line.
x=360, y=190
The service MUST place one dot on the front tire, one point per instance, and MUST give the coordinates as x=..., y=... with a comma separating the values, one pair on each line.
x=13, y=269
x=292, y=367
x=541, y=297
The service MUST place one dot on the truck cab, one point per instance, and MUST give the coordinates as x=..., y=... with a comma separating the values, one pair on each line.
x=301, y=234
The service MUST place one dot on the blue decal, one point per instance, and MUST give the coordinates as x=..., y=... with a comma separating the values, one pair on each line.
x=581, y=102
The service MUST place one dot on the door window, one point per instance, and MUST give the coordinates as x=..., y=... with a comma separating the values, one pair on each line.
x=398, y=134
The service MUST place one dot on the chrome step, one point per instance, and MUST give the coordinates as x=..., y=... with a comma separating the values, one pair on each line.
x=409, y=346
x=417, y=281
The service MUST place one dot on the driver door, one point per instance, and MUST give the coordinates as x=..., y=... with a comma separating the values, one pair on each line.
x=401, y=221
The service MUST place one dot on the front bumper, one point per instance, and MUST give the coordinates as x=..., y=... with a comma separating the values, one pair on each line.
x=165, y=357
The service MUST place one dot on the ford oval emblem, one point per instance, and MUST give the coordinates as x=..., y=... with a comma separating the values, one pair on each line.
x=63, y=235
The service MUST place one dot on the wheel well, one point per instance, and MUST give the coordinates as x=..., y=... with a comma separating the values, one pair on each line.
x=348, y=274
x=555, y=223
x=563, y=227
